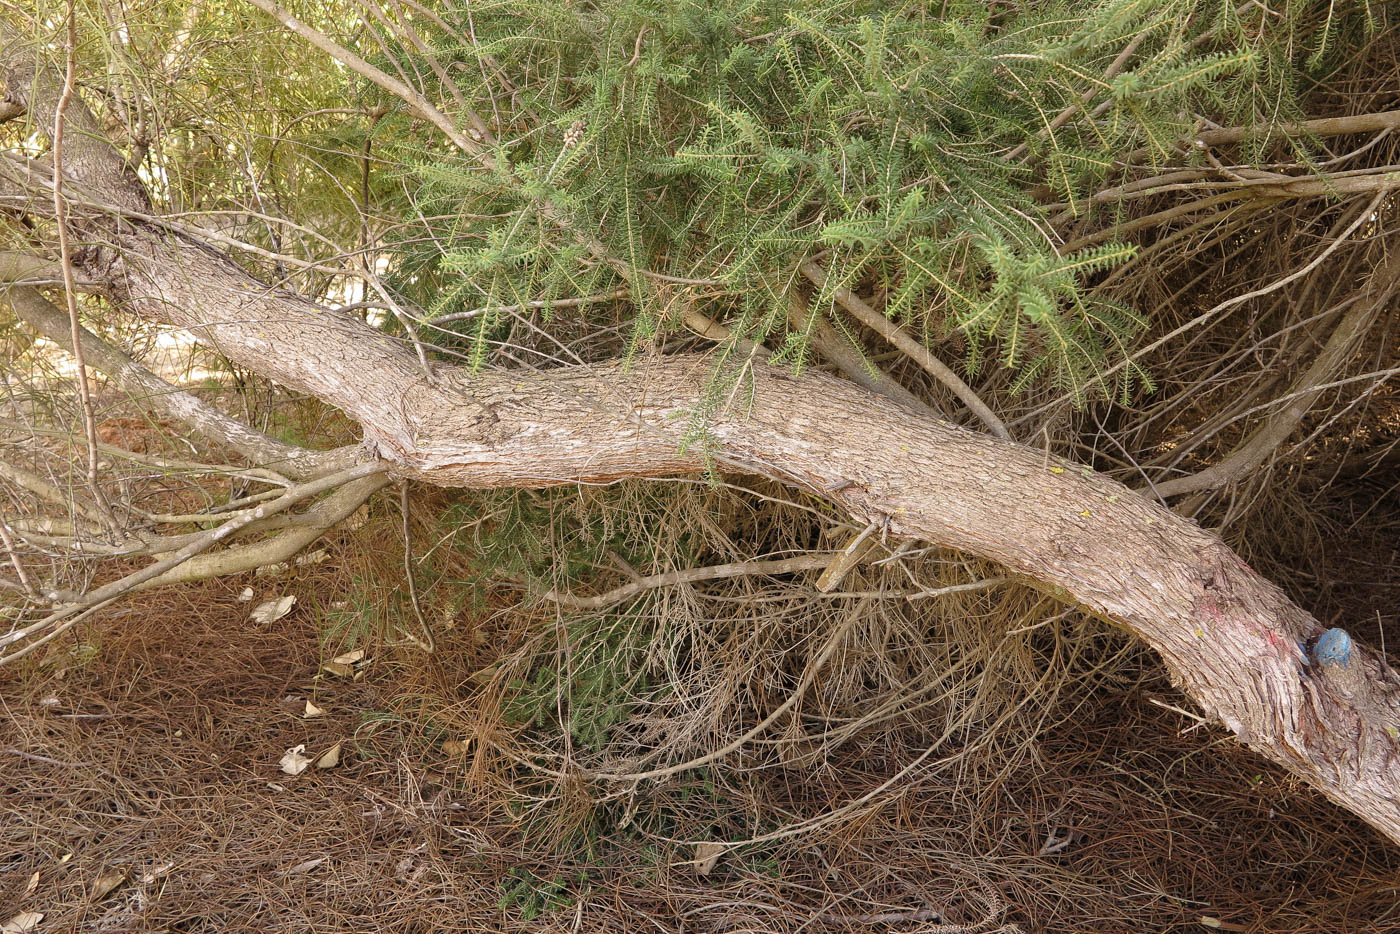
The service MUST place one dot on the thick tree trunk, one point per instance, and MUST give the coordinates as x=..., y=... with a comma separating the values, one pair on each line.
x=1230, y=638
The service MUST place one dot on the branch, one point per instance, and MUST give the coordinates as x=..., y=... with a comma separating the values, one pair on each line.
x=1385, y=121
x=31, y=306
x=64, y=617
x=546, y=303
x=60, y=534
x=917, y=352
x=81, y=378
x=689, y=576
x=1236, y=300
x=835, y=348
x=1074, y=108
x=393, y=85
x=1158, y=218
x=827, y=342
x=38, y=486
x=310, y=525
x=1326, y=126
x=15, y=265
x=92, y=161
x=1252, y=452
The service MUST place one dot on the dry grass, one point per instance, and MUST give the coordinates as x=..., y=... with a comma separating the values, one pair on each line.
x=149, y=746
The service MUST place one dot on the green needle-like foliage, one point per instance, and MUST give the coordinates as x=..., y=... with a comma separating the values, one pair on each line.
x=912, y=148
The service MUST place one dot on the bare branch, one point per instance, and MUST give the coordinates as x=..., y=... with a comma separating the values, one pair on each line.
x=38, y=486
x=1236, y=300
x=1114, y=68
x=65, y=248
x=1327, y=126
x=834, y=347
x=917, y=352
x=523, y=306
x=40, y=313
x=15, y=265
x=26, y=585
x=92, y=160
x=1380, y=122
x=65, y=616
x=808, y=562
x=420, y=104
x=1252, y=452
x=309, y=525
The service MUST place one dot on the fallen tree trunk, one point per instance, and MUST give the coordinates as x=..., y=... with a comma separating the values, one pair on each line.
x=1231, y=639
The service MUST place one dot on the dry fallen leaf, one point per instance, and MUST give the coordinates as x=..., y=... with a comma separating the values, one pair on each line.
x=246, y=596
x=293, y=761
x=706, y=855
x=272, y=610
x=22, y=923
x=312, y=557
x=306, y=866
x=330, y=758
x=31, y=885
x=456, y=747
x=346, y=665
x=103, y=885
x=155, y=872
x=349, y=658
x=312, y=711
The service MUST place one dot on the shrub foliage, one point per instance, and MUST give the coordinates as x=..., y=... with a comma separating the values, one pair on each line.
x=914, y=149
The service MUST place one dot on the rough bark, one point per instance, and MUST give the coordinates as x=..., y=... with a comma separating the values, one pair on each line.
x=1230, y=638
